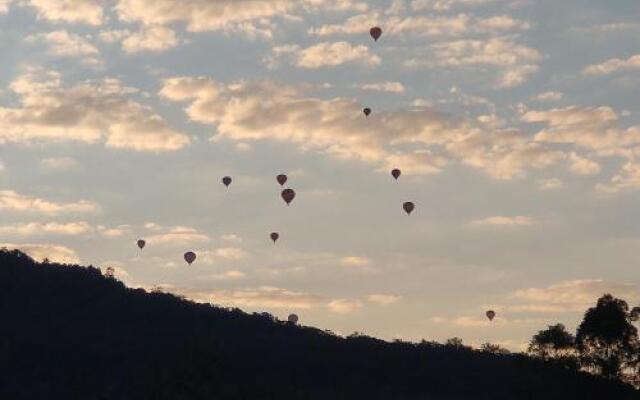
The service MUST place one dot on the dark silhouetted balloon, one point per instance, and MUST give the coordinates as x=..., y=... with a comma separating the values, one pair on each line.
x=367, y=111
x=408, y=207
x=275, y=236
x=141, y=244
x=491, y=315
x=189, y=257
x=288, y=195
x=227, y=181
x=396, y=173
x=293, y=319
x=376, y=32
x=282, y=179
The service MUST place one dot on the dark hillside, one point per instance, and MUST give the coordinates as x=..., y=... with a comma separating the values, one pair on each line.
x=67, y=332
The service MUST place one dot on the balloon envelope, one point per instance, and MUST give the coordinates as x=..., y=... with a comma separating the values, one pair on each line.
x=227, y=181
x=366, y=111
x=396, y=173
x=288, y=195
x=293, y=319
x=408, y=207
x=282, y=179
x=274, y=236
x=141, y=244
x=189, y=257
x=491, y=315
x=375, y=32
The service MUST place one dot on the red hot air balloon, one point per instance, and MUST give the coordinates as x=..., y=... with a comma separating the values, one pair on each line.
x=375, y=32
x=396, y=173
x=293, y=319
x=282, y=179
x=141, y=244
x=408, y=207
x=275, y=236
x=227, y=181
x=288, y=195
x=189, y=257
x=491, y=315
x=366, y=111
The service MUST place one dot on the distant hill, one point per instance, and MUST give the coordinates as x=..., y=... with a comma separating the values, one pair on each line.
x=68, y=332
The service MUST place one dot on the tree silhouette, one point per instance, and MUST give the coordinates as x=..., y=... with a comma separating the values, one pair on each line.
x=555, y=343
x=608, y=341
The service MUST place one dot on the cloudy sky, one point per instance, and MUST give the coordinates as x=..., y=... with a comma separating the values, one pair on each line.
x=514, y=122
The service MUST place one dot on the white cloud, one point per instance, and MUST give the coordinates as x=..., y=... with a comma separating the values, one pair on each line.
x=39, y=252
x=514, y=62
x=245, y=111
x=179, y=236
x=550, y=184
x=583, y=166
x=446, y=5
x=502, y=221
x=344, y=306
x=13, y=201
x=58, y=164
x=549, y=96
x=88, y=12
x=37, y=228
x=64, y=44
x=355, y=261
x=390, y=87
x=4, y=6
x=383, y=299
x=571, y=296
x=614, y=65
x=153, y=38
x=87, y=112
x=628, y=178
x=267, y=297
x=332, y=54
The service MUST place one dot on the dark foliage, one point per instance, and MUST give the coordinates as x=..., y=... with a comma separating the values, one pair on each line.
x=71, y=333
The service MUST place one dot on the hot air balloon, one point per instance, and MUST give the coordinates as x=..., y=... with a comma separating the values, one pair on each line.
x=282, y=179
x=366, y=111
x=288, y=195
x=408, y=207
x=396, y=173
x=275, y=236
x=375, y=32
x=141, y=244
x=189, y=257
x=227, y=181
x=491, y=315
x=293, y=319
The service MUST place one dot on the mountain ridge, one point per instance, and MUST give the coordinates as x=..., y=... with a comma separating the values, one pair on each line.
x=69, y=332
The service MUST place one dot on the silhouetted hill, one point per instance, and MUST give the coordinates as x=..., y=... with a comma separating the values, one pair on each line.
x=67, y=332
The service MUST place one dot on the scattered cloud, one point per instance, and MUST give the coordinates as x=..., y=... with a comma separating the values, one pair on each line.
x=502, y=221
x=344, y=306
x=88, y=12
x=86, y=112
x=383, y=299
x=52, y=252
x=613, y=65
x=571, y=296
x=58, y=164
x=153, y=38
x=514, y=62
x=355, y=261
x=390, y=87
x=38, y=228
x=178, y=236
x=16, y=202
x=549, y=96
x=64, y=44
